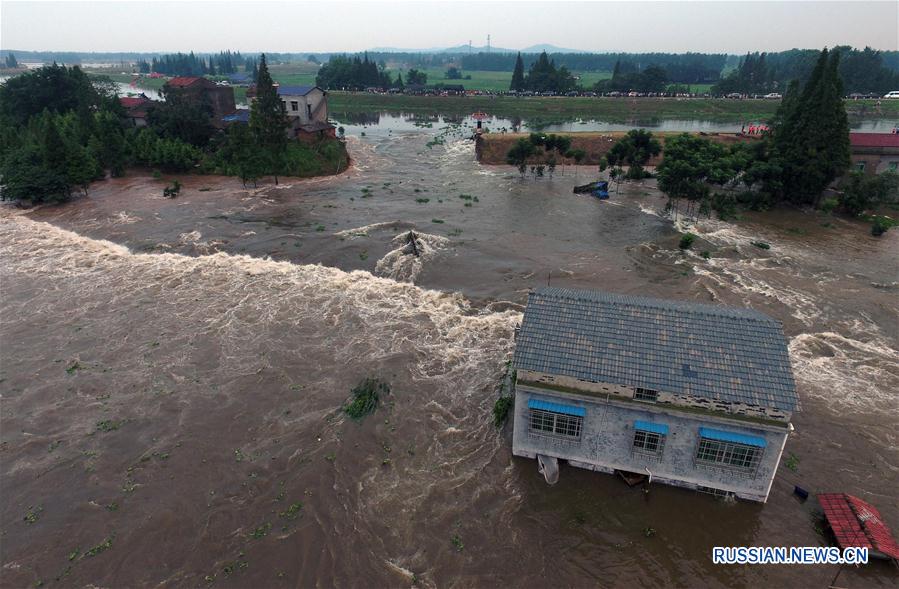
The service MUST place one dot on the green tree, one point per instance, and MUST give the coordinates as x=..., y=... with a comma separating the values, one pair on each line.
x=519, y=153
x=24, y=177
x=54, y=153
x=690, y=165
x=453, y=73
x=11, y=61
x=517, y=83
x=268, y=121
x=81, y=167
x=416, y=77
x=182, y=117
x=636, y=149
x=861, y=191
x=810, y=141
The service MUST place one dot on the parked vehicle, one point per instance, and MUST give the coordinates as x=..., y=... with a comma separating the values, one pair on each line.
x=893, y=94
x=773, y=96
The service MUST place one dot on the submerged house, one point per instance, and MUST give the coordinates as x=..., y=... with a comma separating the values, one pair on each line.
x=307, y=111
x=692, y=395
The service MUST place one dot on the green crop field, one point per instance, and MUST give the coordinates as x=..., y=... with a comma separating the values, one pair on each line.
x=495, y=81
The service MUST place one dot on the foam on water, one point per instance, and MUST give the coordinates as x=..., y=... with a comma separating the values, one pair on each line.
x=846, y=373
x=400, y=264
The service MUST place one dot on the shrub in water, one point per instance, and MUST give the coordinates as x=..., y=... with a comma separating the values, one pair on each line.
x=501, y=410
x=881, y=224
x=366, y=396
x=686, y=241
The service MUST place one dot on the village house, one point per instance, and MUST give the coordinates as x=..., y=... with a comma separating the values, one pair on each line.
x=307, y=109
x=874, y=153
x=219, y=98
x=136, y=108
x=691, y=395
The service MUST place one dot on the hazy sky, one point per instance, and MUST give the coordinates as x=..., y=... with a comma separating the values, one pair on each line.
x=676, y=26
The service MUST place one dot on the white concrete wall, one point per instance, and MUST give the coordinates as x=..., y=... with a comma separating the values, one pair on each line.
x=312, y=99
x=607, y=440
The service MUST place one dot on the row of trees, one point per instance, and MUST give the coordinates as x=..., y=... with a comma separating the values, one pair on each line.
x=863, y=71
x=352, y=73
x=546, y=146
x=542, y=76
x=627, y=77
x=189, y=64
x=684, y=68
x=11, y=61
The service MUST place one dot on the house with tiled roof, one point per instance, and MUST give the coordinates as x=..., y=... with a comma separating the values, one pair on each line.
x=136, y=108
x=203, y=90
x=307, y=111
x=687, y=394
x=875, y=153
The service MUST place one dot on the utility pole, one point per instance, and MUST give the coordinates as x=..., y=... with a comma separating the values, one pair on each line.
x=488, y=42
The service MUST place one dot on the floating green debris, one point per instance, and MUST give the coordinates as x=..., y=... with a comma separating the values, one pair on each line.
x=366, y=397
x=33, y=514
x=262, y=531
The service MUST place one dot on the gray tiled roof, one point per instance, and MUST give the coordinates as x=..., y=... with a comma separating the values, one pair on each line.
x=728, y=354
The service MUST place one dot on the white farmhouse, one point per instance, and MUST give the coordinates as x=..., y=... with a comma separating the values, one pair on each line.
x=693, y=395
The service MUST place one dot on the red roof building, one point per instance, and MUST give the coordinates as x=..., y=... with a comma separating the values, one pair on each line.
x=874, y=140
x=186, y=81
x=874, y=153
x=858, y=524
x=196, y=89
x=136, y=109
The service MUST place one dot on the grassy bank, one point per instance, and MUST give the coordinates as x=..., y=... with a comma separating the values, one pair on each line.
x=560, y=109
x=493, y=147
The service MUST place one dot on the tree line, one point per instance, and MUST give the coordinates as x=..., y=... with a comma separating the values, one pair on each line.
x=190, y=64
x=863, y=71
x=687, y=68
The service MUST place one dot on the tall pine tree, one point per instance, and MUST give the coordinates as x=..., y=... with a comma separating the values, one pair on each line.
x=268, y=121
x=811, y=135
x=518, y=75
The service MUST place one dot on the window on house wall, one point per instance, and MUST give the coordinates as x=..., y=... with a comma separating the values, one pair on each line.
x=894, y=166
x=648, y=442
x=309, y=110
x=555, y=420
x=648, y=395
x=284, y=105
x=728, y=454
x=860, y=166
x=294, y=105
x=649, y=438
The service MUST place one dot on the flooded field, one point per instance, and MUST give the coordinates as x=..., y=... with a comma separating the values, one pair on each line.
x=408, y=122
x=173, y=372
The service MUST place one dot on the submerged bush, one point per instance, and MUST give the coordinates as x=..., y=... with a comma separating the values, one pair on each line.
x=366, y=397
x=881, y=224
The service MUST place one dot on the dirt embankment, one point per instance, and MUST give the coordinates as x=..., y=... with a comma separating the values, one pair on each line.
x=493, y=147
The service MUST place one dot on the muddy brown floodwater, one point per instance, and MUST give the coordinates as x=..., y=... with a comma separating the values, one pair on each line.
x=173, y=372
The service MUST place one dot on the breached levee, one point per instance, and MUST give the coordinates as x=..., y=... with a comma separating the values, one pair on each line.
x=254, y=291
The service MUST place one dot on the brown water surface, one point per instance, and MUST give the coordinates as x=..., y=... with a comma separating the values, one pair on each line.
x=173, y=372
